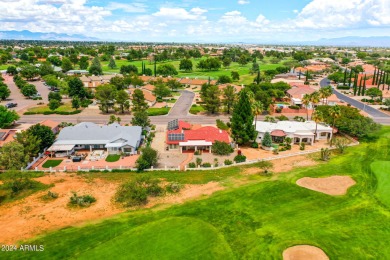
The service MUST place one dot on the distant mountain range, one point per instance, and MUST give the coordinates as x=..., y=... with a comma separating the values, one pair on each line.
x=27, y=35
x=353, y=41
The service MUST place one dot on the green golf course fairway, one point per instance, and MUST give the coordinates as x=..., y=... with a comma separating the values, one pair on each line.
x=258, y=220
x=382, y=173
x=187, y=235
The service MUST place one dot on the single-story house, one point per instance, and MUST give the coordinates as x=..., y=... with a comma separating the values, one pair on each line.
x=54, y=126
x=185, y=137
x=77, y=72
x=299, y=132
x=297, y=92
x=149, y=97
x=114, y=138
x=6, y=136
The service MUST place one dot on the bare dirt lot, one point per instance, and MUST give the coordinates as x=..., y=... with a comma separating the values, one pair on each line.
x=334, y=185
x=304, y=252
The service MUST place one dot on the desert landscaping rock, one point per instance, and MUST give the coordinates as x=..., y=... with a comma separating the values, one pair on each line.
x=334, y=185
x=304, y=252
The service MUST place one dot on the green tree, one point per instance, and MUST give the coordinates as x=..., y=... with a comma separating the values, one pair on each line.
x=386, y=102
x=76, y=88
x=223, y=79
x=242, y=126
x=173, y=84
x=148, y=158
x=186, y=65
x=4, y=91
x=226, y=62
x=325, y=93
x=76, y=102
x=306, y=100
x=373, y=92
x=29, y=72
x=12, y=156
x=211, y=98
x=11, y=70
x=96, y=67
x=66, y=64
x=111, y=63
x=42, y=133
x=84, y=62
x=167, y=70
x=128, y=69
x=235, y=75
x=55, y=95
x=29, y=142
x=7, y=117
x=257, y=109
x=46, y=69
x=267, y=140
x=141, y=118
x=229, y=98
x=161, y=90
x=74, y=58
x=118, y=82
x=105, y=94
x=122, y=100
x=138, y=101
x=243, y=60
x=29, y=90
x=54, y=104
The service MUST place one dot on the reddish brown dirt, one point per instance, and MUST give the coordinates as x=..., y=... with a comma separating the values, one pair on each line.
x=334, y=185
x=304, y=252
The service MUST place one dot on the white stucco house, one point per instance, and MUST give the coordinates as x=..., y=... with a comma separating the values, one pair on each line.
x=299, y=132
x=113, y=138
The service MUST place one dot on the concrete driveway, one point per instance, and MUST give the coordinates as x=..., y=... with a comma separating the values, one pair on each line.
x=182, y=105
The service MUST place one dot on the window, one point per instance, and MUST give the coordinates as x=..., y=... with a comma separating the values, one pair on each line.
x=324, y=134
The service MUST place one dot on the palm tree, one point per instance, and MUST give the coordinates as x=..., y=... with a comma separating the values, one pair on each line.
x=317, y=117
x=257, y=108
x=314, y=99
x=324, y=93
x=306, y=103
x=334, y=112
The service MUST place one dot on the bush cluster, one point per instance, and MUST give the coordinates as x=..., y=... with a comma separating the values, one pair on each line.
x=240, y=158
x=81, y=201
x=221, y=148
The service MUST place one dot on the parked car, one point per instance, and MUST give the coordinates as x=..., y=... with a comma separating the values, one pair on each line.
x=10, y=105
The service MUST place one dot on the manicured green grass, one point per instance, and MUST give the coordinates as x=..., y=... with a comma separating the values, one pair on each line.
x=113, y=158
x=187, y=235
x=67, y=107
x=381, y=170
x=153, y=111
x=51, y=163
x=255, y=221
x=195, y=109
x=244, y=71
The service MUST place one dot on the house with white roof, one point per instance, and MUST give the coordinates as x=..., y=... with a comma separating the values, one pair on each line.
x=114, y=138
x=299, y=132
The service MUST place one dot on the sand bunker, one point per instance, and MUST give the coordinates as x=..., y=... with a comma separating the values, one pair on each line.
x=304, y=252
x=334, y=185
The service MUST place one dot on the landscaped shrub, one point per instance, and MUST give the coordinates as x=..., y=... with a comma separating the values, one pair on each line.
x=278, y=109
x=299, y=119
x=81, y=201
x=30, y=113
x=343, y=87
x=302, y=146
x=240, y=158
x=50, y=196
x=221, y=148
x=294, y=107
x=267, y=140
x=206, y=165
x=173, y=187
x=255, y=145
x=198, y=161
x=197, y=152
x=265, y=166
x=282, y=118
x=325, y=154
x=227, y=162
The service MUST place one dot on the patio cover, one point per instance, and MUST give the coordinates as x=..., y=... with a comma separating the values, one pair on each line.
x=278, y=133
x=61, y=147
x=196, y=143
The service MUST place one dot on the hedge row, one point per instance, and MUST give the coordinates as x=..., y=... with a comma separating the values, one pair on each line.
x=54, y=112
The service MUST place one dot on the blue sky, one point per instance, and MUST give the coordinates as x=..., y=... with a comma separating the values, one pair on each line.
x=261, y=21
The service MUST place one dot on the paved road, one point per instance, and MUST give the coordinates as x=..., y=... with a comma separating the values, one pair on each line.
x=377, y=115
x=182, y=105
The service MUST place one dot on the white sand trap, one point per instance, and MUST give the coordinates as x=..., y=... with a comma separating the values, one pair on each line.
x=304, y=252
x=334, y=185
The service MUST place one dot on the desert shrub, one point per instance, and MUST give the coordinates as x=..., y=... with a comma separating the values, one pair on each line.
x=206, y=165
x=81, y=201
x=197, y=152
x=227, y=162
x=191, y=165
x=221, y=148
x=302, y=146
x=282, y=118
x=325, y=154
x=173, y=187
x=299, y=119
x=278, y=110
x=255, y=145
x=341, y=144
x=294, y=107
x=198, y=161
x=216, y=163
x=240, y=158
x=265, y=166
x=136, y=192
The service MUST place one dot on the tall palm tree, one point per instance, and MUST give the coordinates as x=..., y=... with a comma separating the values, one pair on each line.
x=317, y=117
x=334, y=112
x=324, y=93
x=314, y=99
x=306, y=103
x=257, y=108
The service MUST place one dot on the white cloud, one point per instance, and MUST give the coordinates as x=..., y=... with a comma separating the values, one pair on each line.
x=295, y=11
x=243, y=2
x=180, y=14
x=129, y=8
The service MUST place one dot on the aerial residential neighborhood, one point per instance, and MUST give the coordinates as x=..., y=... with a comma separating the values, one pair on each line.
x=194, y=130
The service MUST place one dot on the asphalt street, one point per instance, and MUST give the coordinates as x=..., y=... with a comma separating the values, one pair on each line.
x=376, y=115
